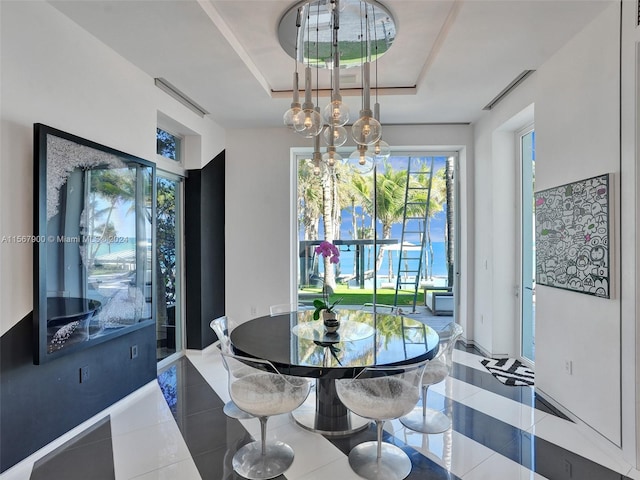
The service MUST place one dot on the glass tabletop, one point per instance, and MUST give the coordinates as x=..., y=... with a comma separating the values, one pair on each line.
x=297, y=345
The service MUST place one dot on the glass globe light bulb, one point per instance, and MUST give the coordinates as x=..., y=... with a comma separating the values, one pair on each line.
x=289, y=116
x=361, y=161
x=366, y=130
x=336, y=113
x=381, y=150
x=308, y=123
x=331, y=157
x=340, y=136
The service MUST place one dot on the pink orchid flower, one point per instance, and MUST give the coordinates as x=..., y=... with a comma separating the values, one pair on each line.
x=328, y=250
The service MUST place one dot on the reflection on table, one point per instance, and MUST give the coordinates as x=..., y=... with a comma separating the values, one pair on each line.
x=349, y=331
x=367, y=339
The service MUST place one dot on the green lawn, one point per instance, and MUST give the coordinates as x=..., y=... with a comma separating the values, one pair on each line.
x=358, y=296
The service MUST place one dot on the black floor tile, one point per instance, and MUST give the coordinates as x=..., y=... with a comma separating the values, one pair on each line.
x=211, y=437
x=206, y=431
x=87, y=456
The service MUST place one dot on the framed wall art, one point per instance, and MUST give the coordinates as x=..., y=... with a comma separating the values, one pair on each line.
x=573, y=236
x=93, y=259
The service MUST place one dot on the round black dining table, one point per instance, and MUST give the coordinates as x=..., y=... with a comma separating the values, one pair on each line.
x=297, y=345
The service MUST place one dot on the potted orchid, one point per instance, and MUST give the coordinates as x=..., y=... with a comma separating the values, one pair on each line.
x=322, y=306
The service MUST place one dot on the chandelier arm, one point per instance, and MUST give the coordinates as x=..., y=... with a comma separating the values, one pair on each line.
x=366, y=87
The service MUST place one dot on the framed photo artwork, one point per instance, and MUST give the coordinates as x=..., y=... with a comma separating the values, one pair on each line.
x=93, y=248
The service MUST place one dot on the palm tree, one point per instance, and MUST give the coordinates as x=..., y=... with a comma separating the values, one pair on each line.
x=361, y=186
x=328, y=223
x=329, y=220
x=114, y=186
x=390, y=200
x=358, y=192
x=309, y=199
x=449, y=229
x=320, y=195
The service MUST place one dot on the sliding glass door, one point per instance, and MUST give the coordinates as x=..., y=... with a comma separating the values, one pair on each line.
x=526, y=143
x=168, y=265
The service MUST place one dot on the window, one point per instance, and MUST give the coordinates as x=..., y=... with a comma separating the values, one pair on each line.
x=168, y=145
x=341, y=205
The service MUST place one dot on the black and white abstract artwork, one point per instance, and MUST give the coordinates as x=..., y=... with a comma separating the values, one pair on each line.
x=572, y=236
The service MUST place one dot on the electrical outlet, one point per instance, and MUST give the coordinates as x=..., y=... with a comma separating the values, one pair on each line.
x=481, y=318
x=254, y=310
x=134, y=352
x=84, y=374
x=568, y=367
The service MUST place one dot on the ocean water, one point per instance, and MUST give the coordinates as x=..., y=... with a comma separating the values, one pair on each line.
x=347, y=259
x=346, y=267
x=347, y=255
x=118, y=244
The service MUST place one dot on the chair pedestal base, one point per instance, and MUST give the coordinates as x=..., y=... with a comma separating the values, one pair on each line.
x=394, y=464
x=250, y=463
x=231, y=410
x=432, y=422
x=328, y=418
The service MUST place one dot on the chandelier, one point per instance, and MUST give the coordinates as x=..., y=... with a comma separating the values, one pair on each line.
x=336, y=36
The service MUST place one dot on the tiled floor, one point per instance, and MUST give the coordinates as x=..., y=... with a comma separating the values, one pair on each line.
x=175, y=429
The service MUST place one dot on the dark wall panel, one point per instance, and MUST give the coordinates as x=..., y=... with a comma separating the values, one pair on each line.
x=192, y=260
x=204, y=251
x=41, y=402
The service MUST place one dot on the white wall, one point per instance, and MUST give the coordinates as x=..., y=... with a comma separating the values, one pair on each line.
x=576, y=98
x=53, y=72
x=578, y=128
x=258, y=201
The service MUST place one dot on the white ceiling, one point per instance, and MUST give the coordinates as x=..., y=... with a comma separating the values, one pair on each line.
x=453, y=57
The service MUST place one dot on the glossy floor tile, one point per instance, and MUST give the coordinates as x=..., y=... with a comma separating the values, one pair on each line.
x=175, y=429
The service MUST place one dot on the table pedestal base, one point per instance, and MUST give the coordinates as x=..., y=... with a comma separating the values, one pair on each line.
x=324, y=413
